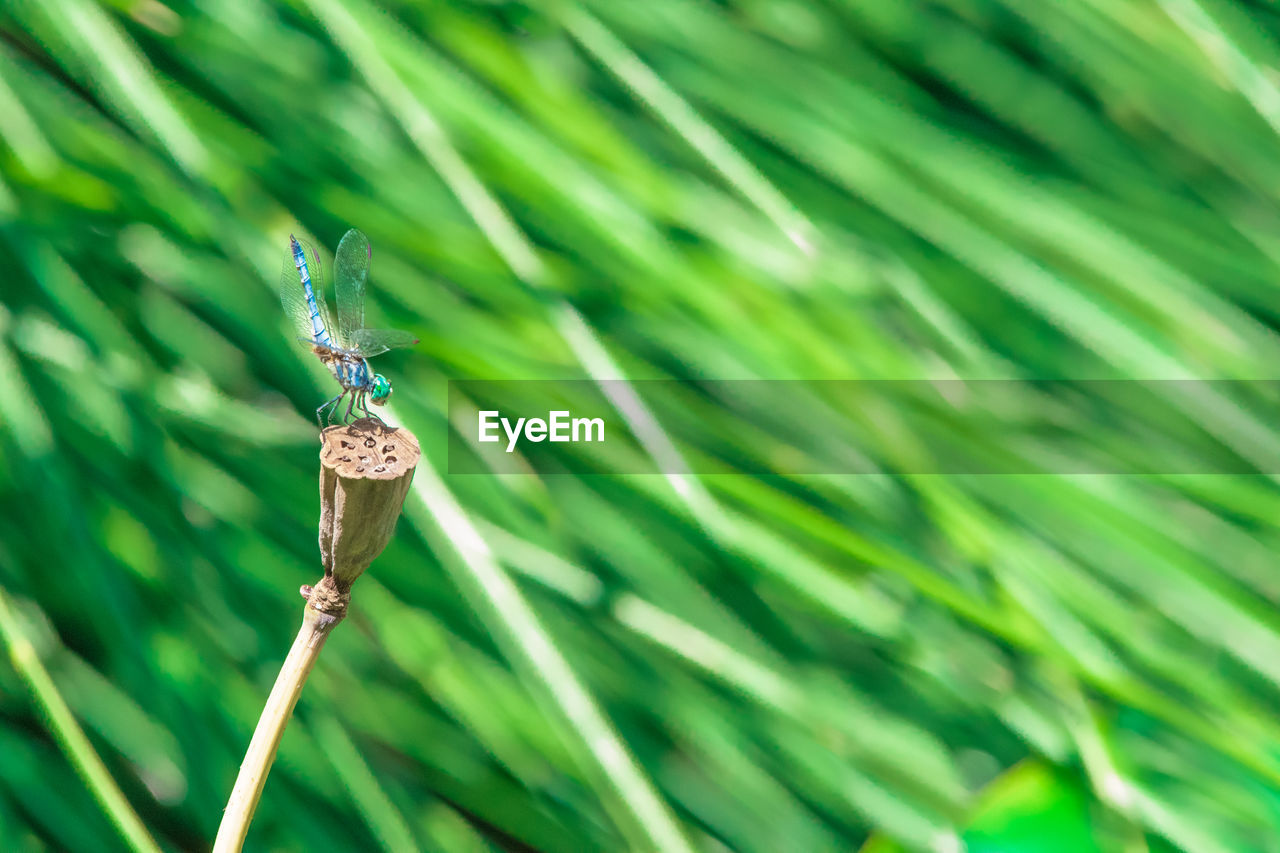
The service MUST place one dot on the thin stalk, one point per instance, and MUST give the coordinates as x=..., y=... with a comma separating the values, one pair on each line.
x=266, y=737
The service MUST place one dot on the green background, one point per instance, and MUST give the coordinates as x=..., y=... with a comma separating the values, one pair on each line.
x=726, y=190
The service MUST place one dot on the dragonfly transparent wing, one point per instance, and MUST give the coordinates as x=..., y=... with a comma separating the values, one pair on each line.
x=371, y=342
x=294, y=298
x=351, y=275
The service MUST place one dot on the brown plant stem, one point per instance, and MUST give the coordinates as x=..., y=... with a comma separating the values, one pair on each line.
x=316, y=625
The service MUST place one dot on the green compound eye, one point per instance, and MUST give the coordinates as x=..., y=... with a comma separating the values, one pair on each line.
x=381, y=389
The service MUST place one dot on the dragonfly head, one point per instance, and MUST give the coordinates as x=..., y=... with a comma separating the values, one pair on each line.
x=381, y=390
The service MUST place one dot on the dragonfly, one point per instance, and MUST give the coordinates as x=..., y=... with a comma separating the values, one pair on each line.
x=346, y=345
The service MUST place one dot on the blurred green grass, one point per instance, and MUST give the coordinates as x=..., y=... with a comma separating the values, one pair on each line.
x=756, y=189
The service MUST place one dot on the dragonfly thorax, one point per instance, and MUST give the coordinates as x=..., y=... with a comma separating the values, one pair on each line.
x=348, y=368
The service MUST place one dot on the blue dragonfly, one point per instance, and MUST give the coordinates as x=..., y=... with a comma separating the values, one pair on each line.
x=345, y=345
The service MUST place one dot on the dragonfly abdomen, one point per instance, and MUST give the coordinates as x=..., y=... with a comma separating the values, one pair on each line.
x=318, y=331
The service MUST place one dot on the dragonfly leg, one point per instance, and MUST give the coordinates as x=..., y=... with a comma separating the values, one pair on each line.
x=326, y=404
x=347, y=417
x=338, y=406
x=369, y=412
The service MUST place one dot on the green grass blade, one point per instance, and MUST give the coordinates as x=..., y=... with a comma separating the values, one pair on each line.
x=432, y=506
x=62, y=724
x=681, y=116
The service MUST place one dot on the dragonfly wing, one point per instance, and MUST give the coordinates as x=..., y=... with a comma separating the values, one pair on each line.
x=371, y=342
x=293, y=295
x=351, y=275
